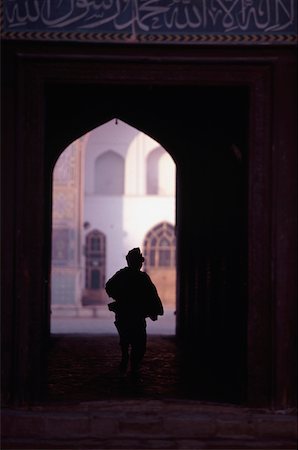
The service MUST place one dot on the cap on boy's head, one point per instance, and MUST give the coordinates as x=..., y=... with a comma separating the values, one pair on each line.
x=134, y=255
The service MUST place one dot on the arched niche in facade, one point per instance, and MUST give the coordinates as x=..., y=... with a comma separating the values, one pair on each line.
x=160, y=173
x=95, y=268
x=109, y=174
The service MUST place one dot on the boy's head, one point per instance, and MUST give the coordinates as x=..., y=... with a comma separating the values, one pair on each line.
x=135, y=258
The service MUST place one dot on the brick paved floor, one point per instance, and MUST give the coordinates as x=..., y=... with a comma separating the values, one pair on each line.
x=85, y=368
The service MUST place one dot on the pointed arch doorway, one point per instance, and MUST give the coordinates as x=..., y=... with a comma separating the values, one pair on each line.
x=102, y=182
x=211, y=154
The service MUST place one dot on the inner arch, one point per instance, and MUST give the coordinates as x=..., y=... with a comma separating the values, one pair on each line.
x=100, y=188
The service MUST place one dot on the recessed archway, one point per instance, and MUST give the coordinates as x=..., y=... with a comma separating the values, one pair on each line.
x=210, y=150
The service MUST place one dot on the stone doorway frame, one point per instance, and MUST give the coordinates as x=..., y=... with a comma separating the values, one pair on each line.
x=29, y=319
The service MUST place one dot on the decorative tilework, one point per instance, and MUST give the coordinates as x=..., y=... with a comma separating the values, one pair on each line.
x=64, y=171
x=63, y=287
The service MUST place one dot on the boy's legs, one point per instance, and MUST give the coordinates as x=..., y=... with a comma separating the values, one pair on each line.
x=124, y=346
x=138, y=346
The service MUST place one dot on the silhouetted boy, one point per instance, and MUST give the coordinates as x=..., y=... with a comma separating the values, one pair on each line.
x=136, y=298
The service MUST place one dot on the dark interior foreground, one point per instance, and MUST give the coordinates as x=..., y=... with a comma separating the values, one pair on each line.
x=86, y=368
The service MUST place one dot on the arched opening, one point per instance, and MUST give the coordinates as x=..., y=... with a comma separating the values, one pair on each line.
x=102, y=207
x=211, y=234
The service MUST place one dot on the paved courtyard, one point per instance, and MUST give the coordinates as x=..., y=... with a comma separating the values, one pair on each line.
x=102, y=322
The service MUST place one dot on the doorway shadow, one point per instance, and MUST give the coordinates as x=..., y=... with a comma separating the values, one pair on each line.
x=83, y=368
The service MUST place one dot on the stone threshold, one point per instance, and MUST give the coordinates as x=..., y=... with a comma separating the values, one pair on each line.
x=147, y=424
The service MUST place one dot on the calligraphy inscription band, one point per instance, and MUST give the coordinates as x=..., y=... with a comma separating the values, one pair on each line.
x=152, y=21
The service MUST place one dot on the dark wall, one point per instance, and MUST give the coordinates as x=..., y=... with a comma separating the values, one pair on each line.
x=228, y=120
